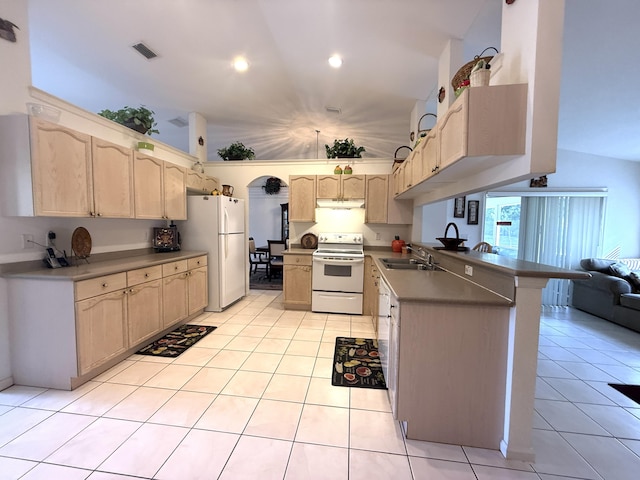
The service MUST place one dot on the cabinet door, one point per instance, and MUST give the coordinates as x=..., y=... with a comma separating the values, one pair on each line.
x=328, y=186
x=195, y=181
x=112, y=179
x=198, y=289
x=376, y=200
x=148, y=186
x=210, y=184
x=61, y=170
x=101, y=329
x=175, y=299
x=144, y=307
x=297, y=281
x=407, y=172
x=430, y=160
x=175, y=192
x=452, y=132
x=302, y=198
x=353, y=186
x=399, y=212
x=397, y=181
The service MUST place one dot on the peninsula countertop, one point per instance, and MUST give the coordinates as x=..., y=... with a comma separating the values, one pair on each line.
x=434, y=286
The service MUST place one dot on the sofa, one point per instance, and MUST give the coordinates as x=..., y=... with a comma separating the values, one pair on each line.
x=612, y=292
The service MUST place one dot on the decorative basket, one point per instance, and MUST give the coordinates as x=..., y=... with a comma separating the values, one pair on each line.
x=480, y=78
x=397, y=161
x=464, y=71
x=423, y=132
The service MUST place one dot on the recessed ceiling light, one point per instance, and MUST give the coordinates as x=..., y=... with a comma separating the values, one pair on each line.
x=240, y=64
x=335, y=61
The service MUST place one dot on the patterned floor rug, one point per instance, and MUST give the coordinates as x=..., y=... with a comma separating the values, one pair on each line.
x=357, y=363
x=177, y=341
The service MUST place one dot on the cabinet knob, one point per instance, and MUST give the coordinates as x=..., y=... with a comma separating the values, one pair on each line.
x=176, y=267
x=105, y=285
x=146, y=275
x=99, y=214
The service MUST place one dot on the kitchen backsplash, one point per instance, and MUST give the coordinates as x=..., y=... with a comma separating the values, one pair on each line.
x=329, y=220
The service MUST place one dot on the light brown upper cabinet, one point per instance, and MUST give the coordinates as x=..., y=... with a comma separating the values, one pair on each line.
x=112, y=179
x=160, y=189
x=61, y=170
x=380, y=205
x=342, y=187
x=302, y=198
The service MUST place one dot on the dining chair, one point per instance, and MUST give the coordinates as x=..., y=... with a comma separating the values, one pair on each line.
x=483, y=247
x=276, y=259
x=256, y=259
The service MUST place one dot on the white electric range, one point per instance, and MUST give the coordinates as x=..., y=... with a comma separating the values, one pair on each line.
x=338, y=273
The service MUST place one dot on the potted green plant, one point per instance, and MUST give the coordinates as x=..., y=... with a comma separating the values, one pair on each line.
x=343, y=149
x=139, y=119
x=236, y=151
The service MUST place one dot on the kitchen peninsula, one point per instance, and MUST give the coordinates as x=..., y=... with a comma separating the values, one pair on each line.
x=462, y=347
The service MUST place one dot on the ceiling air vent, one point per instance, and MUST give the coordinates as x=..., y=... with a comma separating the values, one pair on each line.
x=336, y=110
x=145, y=51
x=179, y=122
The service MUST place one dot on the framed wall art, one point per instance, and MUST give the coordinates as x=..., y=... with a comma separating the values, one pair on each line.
x=472, y=214
x=458, y=207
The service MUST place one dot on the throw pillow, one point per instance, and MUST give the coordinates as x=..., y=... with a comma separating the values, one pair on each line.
x=634, y=279
x=619, y=269
x=596, y=264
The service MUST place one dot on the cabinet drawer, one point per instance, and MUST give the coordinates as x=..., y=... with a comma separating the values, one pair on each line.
x=197, y=262
x=97, y=286
x=174, y=267
x=297, y=260
x=135, y=277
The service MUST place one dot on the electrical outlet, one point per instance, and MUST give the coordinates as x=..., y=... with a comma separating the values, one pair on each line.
x=27, y=241
x=378, y=236
x=468, y=270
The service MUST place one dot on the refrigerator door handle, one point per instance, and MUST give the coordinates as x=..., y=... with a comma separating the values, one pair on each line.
x=226, y=221
x=226, y=246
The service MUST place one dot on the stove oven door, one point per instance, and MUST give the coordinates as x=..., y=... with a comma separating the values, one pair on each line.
x=338, y=274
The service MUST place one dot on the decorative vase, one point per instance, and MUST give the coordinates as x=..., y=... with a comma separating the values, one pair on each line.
x=348, y=170
x=337, y=170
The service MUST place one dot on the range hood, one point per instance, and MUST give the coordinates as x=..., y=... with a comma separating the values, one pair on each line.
x=338, y=204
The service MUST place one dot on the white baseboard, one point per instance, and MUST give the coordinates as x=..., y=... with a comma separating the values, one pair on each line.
x=5, y=383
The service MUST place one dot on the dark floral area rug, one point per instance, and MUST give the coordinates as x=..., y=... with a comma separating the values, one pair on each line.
x=357, y=363
x=177, y=341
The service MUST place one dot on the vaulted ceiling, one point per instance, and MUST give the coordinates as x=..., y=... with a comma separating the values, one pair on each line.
x=82, y=52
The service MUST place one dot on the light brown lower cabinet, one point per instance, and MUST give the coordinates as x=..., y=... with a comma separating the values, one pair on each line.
x=101, y=326
x=297, y=282
x=77, y=330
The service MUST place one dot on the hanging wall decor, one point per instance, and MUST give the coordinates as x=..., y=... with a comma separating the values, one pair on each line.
x=6, y=30
x=272, y=185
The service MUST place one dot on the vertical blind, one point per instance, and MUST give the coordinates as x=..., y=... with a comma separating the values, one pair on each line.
x=560, y=231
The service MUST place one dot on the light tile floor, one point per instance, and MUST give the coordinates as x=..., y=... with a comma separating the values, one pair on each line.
x=253, y=400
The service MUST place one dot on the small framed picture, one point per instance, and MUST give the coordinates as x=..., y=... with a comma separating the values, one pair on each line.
x=458, y=207
x=472, y=214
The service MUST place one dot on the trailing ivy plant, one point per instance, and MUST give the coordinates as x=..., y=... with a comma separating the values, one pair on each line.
x=139, y=119
x=236, y=151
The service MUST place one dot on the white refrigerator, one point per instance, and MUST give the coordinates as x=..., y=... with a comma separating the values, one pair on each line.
x=216, y=224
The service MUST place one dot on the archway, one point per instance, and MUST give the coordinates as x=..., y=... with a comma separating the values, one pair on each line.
x=265, y=210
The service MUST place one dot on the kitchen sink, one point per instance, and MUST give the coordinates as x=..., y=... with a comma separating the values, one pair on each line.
x=408, y=264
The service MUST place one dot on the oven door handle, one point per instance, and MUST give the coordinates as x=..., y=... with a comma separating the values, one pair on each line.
x=333, y=261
